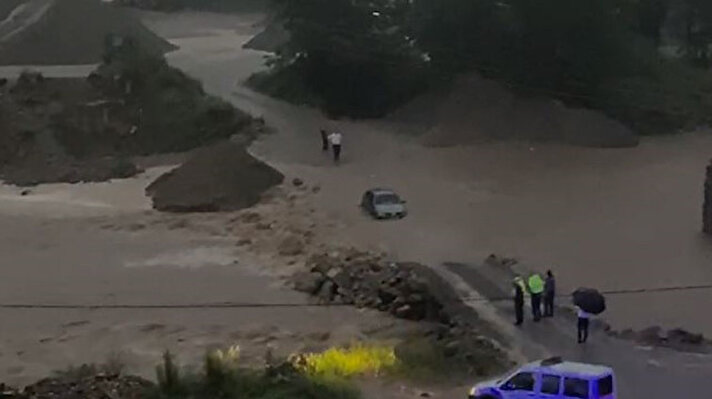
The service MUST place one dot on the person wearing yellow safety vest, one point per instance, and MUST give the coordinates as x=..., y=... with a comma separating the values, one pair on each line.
x=536, y=289
x=519, y=289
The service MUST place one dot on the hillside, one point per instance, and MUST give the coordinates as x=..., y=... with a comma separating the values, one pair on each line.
x=69, y=32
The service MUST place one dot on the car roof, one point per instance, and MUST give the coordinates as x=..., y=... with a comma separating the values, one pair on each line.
x=569, y=369
x=377, y=191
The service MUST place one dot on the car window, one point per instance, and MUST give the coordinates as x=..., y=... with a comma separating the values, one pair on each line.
x=550, y=384
x=385, y=199
x=520, y=382
x=605, y=386
x=575, y=388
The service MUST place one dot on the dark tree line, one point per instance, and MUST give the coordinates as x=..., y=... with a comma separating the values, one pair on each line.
x=363, y=57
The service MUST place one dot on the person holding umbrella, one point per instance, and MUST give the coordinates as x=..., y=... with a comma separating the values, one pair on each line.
x=536, y=288
x=588, y=302
x=582, y=325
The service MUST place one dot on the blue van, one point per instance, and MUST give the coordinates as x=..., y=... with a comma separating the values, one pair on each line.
x=550, y=379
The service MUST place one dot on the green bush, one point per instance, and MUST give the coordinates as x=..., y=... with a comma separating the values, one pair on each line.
x=222, y=377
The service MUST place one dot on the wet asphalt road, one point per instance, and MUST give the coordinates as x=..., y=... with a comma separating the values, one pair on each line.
x=641, y=372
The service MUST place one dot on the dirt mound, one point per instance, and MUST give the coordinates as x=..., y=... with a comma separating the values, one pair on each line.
x=70, y=32
x=475, y=109
x=222, y=177
x=270, y=39
x=89, y=387
x=31, y=149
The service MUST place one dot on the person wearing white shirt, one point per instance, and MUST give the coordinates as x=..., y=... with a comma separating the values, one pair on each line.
x=335, y=140
x=583, y=321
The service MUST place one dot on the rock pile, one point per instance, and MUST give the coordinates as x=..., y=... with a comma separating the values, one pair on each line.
x=676, y=338
x=707, y=207
x=100, y=386
x=409, y=291
x=364, y=280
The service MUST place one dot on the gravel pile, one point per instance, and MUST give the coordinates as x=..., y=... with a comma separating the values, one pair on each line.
x=222, y=177
x=99, y=386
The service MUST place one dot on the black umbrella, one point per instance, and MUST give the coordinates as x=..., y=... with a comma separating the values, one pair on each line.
x=589, y=300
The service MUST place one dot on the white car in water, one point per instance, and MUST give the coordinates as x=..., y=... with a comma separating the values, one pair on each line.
x=382, y=203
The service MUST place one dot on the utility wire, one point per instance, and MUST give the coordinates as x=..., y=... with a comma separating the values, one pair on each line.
x=254, y=305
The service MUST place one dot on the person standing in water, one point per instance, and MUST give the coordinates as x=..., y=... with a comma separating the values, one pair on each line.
x=536, y=288
x=549, y=294
x=335, y=139
x=324, y=140
x=519, y=290
x=582, y=325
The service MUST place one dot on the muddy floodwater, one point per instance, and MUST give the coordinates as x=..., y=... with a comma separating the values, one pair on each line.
x=611, y=219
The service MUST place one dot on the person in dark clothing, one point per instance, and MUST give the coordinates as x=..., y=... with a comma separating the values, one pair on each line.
x=335, y=139
x=582, y=325
x=519, y=289
x=324, y=140
x=549, y=294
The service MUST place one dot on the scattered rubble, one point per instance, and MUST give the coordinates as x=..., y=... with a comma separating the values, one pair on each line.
x=99, y=386
x=407, y=291
x=500, y=261
x=676, y=338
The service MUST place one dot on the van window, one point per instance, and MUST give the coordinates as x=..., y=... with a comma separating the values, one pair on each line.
x=575, y=388
x=550, y=384
x=605, y=386
x=520, y=382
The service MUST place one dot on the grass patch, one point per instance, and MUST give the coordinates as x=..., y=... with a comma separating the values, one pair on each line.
x=223, y=377
x=417, y=358
x=358, y=359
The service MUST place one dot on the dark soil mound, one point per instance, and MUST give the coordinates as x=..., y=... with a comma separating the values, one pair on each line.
x=222, y=177
x=74, y=32
x=31, y=151
x=475, y=109
x=270, y=39
x=91, y=387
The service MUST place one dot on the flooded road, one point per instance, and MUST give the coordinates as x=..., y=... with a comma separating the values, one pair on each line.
x=612, y=219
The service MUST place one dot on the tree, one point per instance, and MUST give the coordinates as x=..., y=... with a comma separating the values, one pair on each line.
x=354, y=54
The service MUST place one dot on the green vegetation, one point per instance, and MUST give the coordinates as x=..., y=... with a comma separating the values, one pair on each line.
x=222, y=377
x=357, y=359
x=416, y=358
x=602, y=54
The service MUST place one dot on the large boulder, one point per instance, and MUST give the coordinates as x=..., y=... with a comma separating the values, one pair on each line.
x=222, y=177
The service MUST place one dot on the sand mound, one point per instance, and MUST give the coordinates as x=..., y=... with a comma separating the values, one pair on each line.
x=270, y=39
x=475, y=109
x=69, y=32
x=222, y=177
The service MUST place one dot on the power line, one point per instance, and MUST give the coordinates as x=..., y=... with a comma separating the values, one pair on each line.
x=255, y=305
